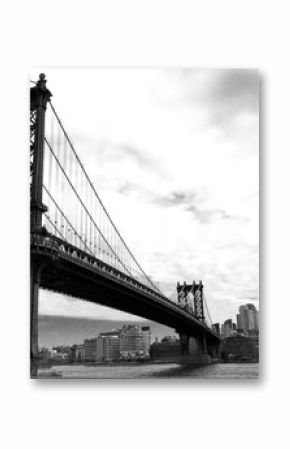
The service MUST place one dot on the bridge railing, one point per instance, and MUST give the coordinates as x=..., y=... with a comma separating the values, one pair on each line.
x=60, y=248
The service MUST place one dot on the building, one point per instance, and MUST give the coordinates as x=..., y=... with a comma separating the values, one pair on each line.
x=243, y=317
x=135, y=342
x=216, y=328
x=108, y=345
x=252, y=317
x=257, y=320
x=78, y=353
x=129, y=342
x=228, y=328
x=248, y=318
x=90, y=349
x=61, y=353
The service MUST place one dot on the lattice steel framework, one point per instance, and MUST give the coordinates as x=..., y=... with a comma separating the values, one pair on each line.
x=39, y=96
x=190, y=297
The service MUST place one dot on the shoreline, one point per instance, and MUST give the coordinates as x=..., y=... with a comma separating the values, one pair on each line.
x=147, y=362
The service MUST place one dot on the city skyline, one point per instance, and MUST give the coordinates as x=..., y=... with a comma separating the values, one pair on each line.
x=80, y=328
x=144, y=132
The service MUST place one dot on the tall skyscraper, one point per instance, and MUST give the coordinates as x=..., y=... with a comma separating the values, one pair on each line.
x=247, y=319
x=251, y=316
x=228, y=328
x=216, y=328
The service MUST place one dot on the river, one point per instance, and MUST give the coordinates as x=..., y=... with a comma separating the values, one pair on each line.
x=154, y=370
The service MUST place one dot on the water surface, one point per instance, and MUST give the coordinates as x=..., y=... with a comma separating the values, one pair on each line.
x=153, y=370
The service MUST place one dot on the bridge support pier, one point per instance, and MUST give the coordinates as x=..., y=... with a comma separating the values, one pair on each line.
x=214, y=350
x=35, y=277
x=34, y=293
x=194, y=349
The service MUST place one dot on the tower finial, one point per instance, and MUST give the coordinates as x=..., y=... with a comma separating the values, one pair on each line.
x=42, y=81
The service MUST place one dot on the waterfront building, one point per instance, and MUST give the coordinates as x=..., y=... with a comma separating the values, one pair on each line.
x=59, y=356
x=90, y=349
x=78, y=353
x=129, y=342
x=61, y=352
x=135, y=342
x=108, y=345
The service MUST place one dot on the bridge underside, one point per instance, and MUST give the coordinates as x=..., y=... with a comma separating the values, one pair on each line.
x=77, y=280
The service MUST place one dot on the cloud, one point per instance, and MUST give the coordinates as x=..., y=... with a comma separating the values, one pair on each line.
x=138, y=155
x=233, y=93
x=176, y=198
x=193, y=202
x=233, y=103
x=174, y=157
x=205, y=216
x=228, y=99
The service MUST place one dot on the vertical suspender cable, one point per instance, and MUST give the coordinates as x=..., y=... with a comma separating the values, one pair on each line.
x=57, y=174
x=68, y=199
x=107, y=215
x=50, y=165
x=77, y=208
x=65, y=185
x=81, y=207
x=91, y=224
x=87, y=238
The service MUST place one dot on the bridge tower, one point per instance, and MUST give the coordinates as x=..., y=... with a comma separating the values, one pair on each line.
x=190, y=298
x=39, y=96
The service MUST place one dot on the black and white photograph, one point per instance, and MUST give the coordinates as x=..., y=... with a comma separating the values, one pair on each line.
x=144, y=223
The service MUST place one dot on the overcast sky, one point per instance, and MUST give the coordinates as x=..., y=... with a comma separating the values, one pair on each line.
x=174, y=156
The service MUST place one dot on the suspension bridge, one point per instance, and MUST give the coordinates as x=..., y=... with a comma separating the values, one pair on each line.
x=77, y=250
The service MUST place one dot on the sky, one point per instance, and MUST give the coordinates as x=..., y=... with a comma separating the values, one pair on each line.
x=174, y=155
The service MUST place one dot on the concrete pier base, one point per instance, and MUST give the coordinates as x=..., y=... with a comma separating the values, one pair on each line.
x=194, y=350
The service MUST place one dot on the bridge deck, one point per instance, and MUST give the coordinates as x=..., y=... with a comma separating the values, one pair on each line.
x=71, y=271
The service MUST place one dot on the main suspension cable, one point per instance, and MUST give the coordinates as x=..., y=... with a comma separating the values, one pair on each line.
x=100, y=201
